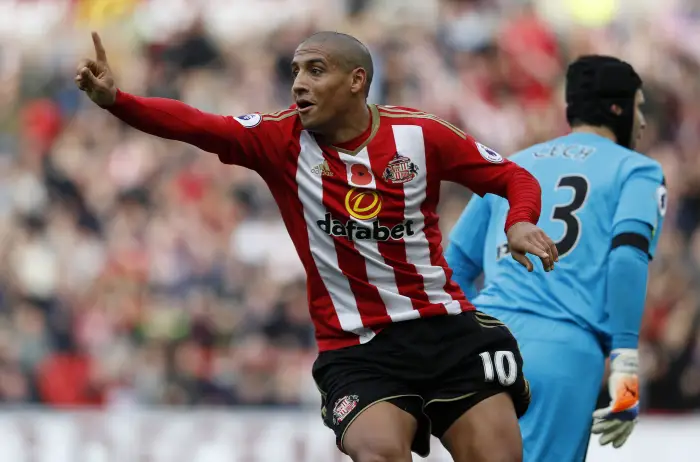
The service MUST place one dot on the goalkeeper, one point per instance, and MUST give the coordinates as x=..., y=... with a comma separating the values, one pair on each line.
x=605, y=204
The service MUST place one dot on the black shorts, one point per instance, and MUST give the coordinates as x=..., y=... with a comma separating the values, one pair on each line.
x=435, y=368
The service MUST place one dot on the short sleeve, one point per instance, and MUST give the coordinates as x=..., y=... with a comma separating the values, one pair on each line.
x=643, y=199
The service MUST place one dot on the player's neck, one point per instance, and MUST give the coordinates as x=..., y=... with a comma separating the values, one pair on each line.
x=353, y=124
x=605, y=132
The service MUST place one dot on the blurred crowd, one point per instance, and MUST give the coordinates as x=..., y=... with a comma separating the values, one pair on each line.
x=139, y=271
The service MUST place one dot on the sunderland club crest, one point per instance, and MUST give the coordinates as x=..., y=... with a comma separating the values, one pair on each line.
x=400, y=170
x=343, y=407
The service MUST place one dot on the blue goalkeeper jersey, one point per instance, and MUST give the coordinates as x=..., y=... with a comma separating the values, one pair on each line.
x=592, y=190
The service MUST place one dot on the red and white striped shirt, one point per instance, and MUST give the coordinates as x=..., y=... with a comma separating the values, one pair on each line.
x=362, y=216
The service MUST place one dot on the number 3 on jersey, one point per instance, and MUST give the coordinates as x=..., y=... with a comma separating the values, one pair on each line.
x=566, y=213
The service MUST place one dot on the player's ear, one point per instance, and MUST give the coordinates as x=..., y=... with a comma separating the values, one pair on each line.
x=615, y=109
x=358, y=80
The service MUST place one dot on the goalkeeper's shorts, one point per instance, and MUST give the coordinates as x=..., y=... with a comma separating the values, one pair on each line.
x=564, y=365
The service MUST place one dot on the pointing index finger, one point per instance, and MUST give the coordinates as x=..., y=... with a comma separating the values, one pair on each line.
x=100, y=52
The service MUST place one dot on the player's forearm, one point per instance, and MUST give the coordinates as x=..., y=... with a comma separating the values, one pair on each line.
x=174, y=120
x=625, y=302
x=524, y=197
x=628, y=262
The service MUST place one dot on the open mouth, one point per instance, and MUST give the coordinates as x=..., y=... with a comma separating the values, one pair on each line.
x=304, y=106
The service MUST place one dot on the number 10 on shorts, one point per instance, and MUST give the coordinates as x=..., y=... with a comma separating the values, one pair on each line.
x=505, y=367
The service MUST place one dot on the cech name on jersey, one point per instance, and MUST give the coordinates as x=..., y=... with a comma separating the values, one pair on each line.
x=567, y=151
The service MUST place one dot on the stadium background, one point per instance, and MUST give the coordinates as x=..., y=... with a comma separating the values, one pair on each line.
x=142, y=274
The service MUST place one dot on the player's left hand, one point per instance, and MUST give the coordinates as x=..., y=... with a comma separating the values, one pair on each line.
x=615, y=423
x=524, y=238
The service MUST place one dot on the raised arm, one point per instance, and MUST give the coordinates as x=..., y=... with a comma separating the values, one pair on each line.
x=241, y=140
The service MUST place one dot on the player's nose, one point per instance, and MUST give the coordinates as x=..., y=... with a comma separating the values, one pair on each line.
x=300, y=86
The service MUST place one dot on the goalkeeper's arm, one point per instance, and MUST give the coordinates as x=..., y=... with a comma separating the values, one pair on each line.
x=628, y=262
x=465, y=253
x=626, y=292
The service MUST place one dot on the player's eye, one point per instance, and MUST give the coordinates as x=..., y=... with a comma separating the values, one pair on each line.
x=295, y=72
x=316, y=71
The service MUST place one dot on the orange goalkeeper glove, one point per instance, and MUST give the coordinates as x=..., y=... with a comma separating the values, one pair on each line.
x=615, y=423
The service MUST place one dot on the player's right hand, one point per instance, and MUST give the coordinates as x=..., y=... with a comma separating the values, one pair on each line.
x=94, y=77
